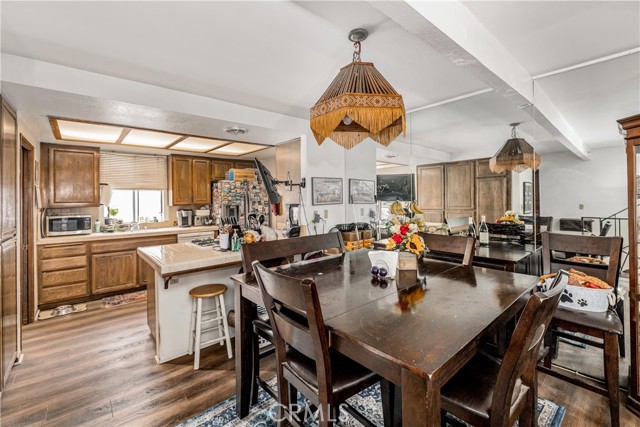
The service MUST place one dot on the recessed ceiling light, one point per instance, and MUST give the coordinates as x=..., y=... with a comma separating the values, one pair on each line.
x=238, y=149
x=236, y=130
x=80, y=131
x=201, y=145
x=149, y=138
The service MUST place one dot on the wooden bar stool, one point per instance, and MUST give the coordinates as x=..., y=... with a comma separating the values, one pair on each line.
x=219, y=312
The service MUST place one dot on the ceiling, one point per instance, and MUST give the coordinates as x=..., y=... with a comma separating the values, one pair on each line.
x=279, y=56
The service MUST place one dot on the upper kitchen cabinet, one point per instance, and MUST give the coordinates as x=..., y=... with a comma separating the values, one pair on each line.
x=190, y=180
x=244, y=164
x=8, y=174
x=71, y=175
x=219, y=167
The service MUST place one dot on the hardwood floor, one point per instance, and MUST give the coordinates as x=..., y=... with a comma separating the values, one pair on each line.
x=96, y=369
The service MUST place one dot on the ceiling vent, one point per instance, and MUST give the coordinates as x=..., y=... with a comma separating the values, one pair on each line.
x=236, y=130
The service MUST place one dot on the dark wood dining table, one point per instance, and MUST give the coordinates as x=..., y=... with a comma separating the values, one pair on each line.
x=417, y=337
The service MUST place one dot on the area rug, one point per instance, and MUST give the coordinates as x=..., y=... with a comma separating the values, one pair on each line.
x=367, y=402
x=118, y=300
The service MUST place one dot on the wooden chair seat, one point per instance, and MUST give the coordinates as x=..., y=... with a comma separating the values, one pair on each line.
x=471, y=390
x=208, y=291
x=606, y=322
x=348, y=376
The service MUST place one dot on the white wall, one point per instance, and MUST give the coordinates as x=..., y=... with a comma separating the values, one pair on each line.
x=599, y=184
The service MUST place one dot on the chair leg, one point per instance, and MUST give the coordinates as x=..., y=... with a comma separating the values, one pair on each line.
x=196, y=359
x=255, y=359
x=191, y=325
x=548, y=338
x=620, y=312
x=528, y=415
x=225, y=326
x=391, y=404
x=611, y=369
x=284, y=399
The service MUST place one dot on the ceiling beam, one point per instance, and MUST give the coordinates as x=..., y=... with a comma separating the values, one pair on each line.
x=452, y=30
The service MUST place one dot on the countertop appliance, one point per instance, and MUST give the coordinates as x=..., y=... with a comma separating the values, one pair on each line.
x=185, y=217
x=64, y=225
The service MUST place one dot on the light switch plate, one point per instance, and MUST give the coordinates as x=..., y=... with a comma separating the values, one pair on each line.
x=326, y=213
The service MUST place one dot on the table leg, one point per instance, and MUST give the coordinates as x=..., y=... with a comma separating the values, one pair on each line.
x=244, y=352
x=611, y=368
x=420, y=401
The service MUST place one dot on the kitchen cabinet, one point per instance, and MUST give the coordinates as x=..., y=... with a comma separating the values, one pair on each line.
x=8, y=174
x=63, y=273
x=113, y=272
x=219, y=167
x=71, y=175
x=493, y=196
x=190, y=180
x=431, y=192
x=9, y=301
x=244, y=164
x=459, y=186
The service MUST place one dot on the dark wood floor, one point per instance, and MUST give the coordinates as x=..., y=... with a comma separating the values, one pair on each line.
x=96, y=369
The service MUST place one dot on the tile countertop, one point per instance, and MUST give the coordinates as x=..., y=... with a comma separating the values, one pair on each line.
x=181, y=257
x=79, y=238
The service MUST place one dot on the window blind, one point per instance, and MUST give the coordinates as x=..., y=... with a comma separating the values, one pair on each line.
x=133, y=171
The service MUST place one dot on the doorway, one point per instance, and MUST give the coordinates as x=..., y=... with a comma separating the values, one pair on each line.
x=27, y=181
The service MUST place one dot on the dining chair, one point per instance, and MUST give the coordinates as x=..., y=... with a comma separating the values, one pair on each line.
x=273, y=253
x=606, y=327
x=444, y=247
x=304, y=360
x=490, y=392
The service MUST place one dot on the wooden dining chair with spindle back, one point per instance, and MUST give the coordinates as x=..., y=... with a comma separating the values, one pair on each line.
x=273, y=253
x=304, y=361
x=606, y=326
x=493, y=393
x=458, y=248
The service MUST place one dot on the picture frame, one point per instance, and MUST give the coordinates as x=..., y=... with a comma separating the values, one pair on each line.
x=326, y=191
x=362, y=191
x=527, y=198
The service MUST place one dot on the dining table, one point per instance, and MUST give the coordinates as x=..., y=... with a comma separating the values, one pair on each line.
x=415, y=336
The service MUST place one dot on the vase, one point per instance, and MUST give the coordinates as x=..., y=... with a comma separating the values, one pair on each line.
x=407, y=272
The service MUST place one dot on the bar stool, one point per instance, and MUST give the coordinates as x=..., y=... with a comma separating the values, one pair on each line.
x=219, y=312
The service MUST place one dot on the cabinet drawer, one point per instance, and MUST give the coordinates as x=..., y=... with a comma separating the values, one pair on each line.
x=63, y=263
x=62, y=251
x=130, y=244
x=61, y=293
x=63, y=277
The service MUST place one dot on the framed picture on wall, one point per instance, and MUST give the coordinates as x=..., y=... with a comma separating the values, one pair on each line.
x=362, y=191
x=326, y=191
x=527, y=198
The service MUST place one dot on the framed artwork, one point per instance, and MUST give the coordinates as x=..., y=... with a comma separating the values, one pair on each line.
x=527, y=198
x=362, y=191
x=326, y=191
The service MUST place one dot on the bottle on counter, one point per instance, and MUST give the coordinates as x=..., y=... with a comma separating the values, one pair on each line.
x=471, y=229
x=96, y=226
x=483, y=231
x=235, y=242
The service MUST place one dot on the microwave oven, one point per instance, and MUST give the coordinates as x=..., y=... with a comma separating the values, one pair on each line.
x=67, y=224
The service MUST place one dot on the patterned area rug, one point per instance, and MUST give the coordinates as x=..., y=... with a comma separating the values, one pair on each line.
x=367, y=402
x=123, y=299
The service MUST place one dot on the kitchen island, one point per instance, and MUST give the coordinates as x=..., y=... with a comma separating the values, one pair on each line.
x=177, y=268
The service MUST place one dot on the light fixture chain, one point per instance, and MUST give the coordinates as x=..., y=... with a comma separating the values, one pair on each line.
x=356, y=51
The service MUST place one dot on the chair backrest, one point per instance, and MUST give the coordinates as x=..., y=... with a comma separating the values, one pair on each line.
x=519, y=363
x=296, y=319
x=461, y=246
x=279, y=249
x=610, y=247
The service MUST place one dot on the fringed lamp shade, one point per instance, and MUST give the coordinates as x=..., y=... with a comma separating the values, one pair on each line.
x=516, y=155
x=369, y=105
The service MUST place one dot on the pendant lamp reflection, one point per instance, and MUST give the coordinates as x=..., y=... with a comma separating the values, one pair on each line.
x=515, y=155
x=360, y=103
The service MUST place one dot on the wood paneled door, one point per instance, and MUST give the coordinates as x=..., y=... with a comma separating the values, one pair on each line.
x=9, y=307
x=8, y=172
x=459, y=188
x=431, y=192
x=493, y=197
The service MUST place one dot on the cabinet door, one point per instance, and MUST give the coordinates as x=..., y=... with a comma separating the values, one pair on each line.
x=483, y=170
x=146, y=273
x=219, y=167
x=8, y=174
x=201, y=170
x=459, y=186
x=74, y=175
x=431, y=187
x=244, y=164
x=113, y=271
x=181, y=189
x=9, y=303
x=492, y=195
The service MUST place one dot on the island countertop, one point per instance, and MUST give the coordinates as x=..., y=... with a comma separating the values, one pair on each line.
x=183, y=257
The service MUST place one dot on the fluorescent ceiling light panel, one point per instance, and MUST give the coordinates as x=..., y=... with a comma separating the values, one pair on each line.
x=385, y=165
x=79, y=131
x=238, y=149
x=149, y=138
x=201, y=145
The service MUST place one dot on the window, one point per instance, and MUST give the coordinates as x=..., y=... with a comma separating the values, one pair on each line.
x=138, y=205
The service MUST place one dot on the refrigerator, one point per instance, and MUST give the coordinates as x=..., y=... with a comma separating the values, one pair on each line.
x=239, y=199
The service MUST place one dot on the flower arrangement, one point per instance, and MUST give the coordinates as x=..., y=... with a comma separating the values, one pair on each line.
x=404, y=237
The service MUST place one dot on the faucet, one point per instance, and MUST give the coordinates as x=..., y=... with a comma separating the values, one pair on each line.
x=134, y=226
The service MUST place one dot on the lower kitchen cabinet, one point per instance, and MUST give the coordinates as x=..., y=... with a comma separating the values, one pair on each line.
x=113, y=272
x=63, y=273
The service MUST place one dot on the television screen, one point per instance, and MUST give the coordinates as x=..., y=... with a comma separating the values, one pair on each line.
x=390, y=188
x=267, y=179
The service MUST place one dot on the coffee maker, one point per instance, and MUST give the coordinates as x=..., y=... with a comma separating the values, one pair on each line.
x=185, y=217
x=202, y=217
